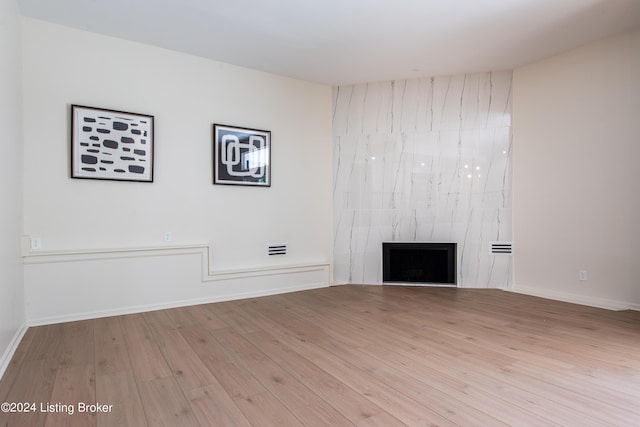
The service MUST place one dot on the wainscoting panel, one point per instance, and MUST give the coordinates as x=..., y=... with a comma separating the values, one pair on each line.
x=72, y=285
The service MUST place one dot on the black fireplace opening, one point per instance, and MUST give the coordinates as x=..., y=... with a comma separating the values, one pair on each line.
x=416, y=262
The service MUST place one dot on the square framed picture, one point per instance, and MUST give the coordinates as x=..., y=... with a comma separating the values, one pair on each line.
x=112, y=145
x=241, y=156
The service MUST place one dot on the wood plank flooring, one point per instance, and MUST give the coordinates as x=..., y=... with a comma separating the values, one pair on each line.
x=341, y=356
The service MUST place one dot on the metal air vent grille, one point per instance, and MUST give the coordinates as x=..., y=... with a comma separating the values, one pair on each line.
x=277, y=249
x=500, y=248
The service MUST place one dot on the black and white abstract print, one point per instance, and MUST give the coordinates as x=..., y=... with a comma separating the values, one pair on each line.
x=109, y=144
x=241, y=156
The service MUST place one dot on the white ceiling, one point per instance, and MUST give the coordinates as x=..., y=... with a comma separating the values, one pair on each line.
x=351, y=41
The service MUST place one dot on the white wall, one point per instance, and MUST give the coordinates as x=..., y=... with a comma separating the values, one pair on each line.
x=186, y=94
x=576, y=202
x=423, y=160
x=12, y=316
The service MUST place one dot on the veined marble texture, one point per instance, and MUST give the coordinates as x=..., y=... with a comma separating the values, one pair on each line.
x=424, y=160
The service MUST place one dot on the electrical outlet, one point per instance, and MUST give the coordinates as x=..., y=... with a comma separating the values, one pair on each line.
x=168, y=236
x=582, y=275
x=36, y=243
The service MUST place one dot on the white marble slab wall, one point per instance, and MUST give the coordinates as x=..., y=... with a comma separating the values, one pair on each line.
x=425, y=160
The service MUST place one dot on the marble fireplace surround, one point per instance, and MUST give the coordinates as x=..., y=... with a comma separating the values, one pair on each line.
x=423, y=160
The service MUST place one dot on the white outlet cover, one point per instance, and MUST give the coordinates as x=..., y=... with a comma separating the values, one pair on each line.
x=36, y=243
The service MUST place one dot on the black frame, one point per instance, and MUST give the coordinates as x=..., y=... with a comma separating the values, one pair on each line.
x=452, y=261
x=233, y=167
x=111, y=144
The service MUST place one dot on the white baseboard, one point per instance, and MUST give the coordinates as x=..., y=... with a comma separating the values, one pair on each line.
x=172, y=304
x=334, y=283
x=13, y=346
x=574, y=298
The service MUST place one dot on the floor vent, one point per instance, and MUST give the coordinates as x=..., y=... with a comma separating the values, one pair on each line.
x=277, y=249
x=500, y=248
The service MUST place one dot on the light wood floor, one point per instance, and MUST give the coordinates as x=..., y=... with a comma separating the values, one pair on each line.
x=341, y=356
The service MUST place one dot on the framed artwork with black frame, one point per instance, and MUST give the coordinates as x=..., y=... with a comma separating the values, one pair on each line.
x=241, y=156
x=111, y=145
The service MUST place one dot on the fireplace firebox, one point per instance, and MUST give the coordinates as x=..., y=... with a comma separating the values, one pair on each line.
x=419, y=263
